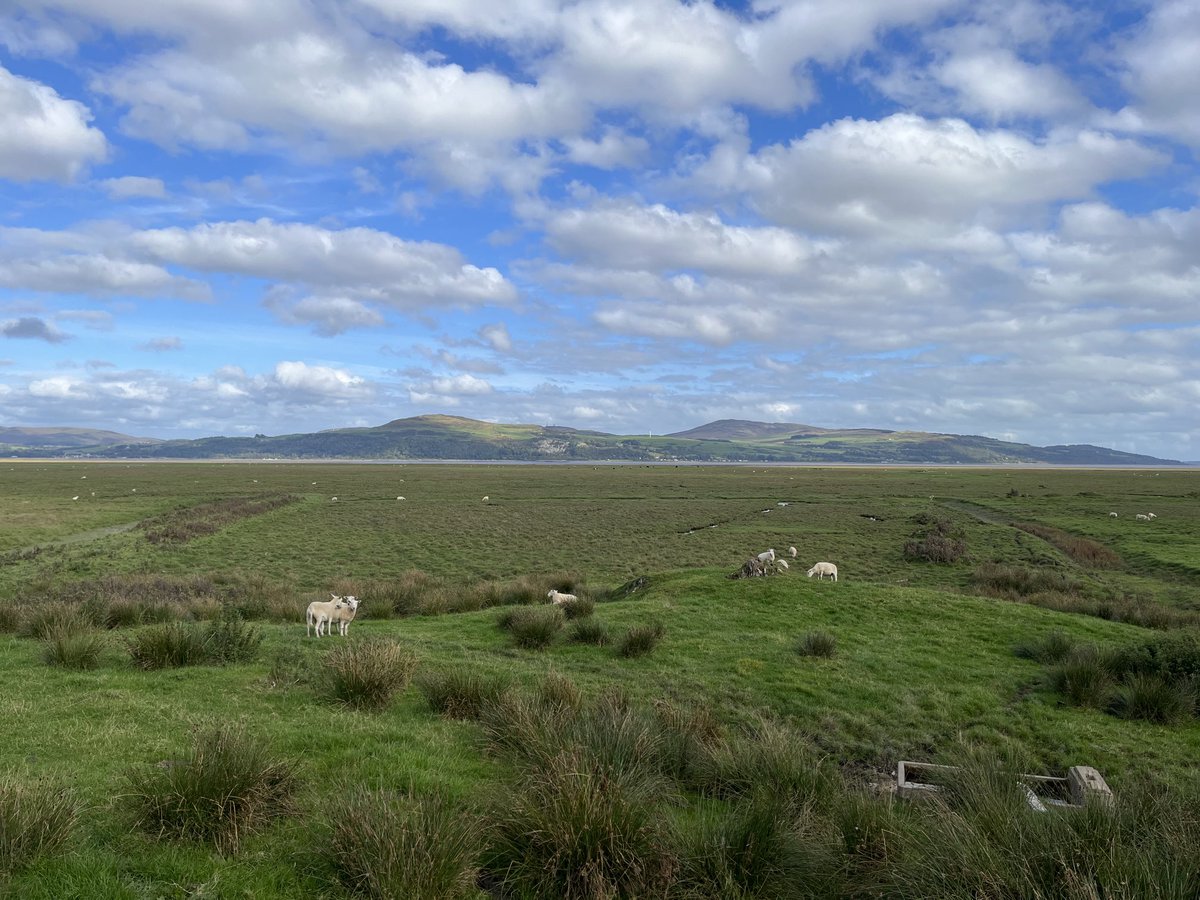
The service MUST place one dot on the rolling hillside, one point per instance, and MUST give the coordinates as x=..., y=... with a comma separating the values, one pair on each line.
x=453, y=437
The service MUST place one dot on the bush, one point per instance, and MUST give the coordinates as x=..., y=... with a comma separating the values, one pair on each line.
x=461, y=693
x=817, y=643
x=167, y=646
x=573, y=832
x=534, y=627
x=69, y=649
x=227, y=785
x=1053, y=647
x=386, y=844
x=939, y=545
x=35, y=820
x=588, y=631
x=1154, y=699
x=229, y=639
x=365, y=674
x=641, y=639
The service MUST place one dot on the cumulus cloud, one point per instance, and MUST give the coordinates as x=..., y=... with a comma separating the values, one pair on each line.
x=128, y=186
x=496, y=334
x=319, y=381
x=328, y=316
x=33, y=328
x=42, y=135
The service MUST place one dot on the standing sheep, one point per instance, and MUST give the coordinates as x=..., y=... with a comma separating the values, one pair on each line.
x=319, y=613
x=344, y=615
x=792, y=552
x=767, y=556
x=822, y=569
x=558, y=598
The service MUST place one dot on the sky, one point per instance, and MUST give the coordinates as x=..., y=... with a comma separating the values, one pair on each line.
x=279, y=216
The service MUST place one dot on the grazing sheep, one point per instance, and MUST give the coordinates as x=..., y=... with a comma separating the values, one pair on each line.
x=1112, y=515
x=343, y=616
x=319, y=613
x=822, y=569
x=486, y=498
x=792, y=552
x=1143, y=517
x=558, y=597
x=1151, y=516
x=782, y=564
x=767, y=556
x=76, y=497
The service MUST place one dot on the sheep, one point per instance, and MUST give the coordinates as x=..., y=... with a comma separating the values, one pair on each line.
x=319, y=613
x=1112, y=515
x=1142, y=517
x=822, y=569
x=792, y=552
x=486, y=498
x=782, y=564
x=767, y=556
x=1151, y=516
x=345, y=615
x=558, y=598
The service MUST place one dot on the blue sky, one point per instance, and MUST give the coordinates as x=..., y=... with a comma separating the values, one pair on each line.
x=242, y=216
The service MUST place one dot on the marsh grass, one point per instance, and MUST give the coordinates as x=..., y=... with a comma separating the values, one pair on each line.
x=167, y=646
x=1053, y=647
x=231, y=640
x=186, y=524
x=461, y=693
x=36, y=820
x=1084, y=677
x=589, y=631
x=69, y=649
x=1154, y=699
x=769, y=753
x=386, y=844
x=1084, y=551
x=227, y=785
x=40, y=621
x=578, y=609
x=366, y=674
x=1013, y=582
x=641, y=640
x=817, y=643
x=535, y=627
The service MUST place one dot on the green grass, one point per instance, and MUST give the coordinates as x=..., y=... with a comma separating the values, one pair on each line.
x=924, y=664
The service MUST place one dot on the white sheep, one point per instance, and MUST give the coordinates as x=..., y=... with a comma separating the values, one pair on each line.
x=343, y=616
x=782, y=564
x=319, y=613
x=558, y=598
x=1112, y=515
x=1143, y=517
x=486, y=498
x=822, y=569
x=767, y=556
x=1151, y=516
x=792, y=552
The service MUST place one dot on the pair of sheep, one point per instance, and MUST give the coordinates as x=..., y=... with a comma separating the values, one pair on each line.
x=339, y=611
x=768, y=556
x=1145, y=517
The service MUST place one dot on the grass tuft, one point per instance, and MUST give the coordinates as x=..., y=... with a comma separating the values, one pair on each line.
x=68, y=649
x=461, y=693
x=366, y=674
x=589, y=631
x=534, y=627
x=641, y=639
x=36, y=819
x=1084, y=677
x=1154, y=699
x=167, y=646
x=1052, y=648
x=579, y=609
x=817, y=643
x=227, y=785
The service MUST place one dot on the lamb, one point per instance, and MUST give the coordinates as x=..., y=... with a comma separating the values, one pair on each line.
x=558, y=598
x=1143, y=517
x=320, y=612
x=822, y=569
x=345, y=615
x=767, y=556
x=792, y=552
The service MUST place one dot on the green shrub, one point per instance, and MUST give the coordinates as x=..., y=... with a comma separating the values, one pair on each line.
x=641, y=639
x=1154, y=699
x=534, y=627
x=588, y=631
x=167, y=646
x=366, y=674
x=461, y=693
x=226, y=786
x=1051, y=648
x=70, y=649
x=36, y=819
x=573, y=832
x=817, y=643
x=386, y=845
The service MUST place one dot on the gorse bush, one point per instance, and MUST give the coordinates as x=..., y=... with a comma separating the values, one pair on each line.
x=386, y=844
x=227, y=785
x=817, y=643
x=36, y=819
x=68, y=649
x=366, y=674
x=641, y=639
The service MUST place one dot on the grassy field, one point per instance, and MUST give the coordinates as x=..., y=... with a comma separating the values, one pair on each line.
x=924, y=666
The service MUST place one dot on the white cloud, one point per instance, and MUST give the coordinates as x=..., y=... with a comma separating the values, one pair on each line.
x=133, y=186
x=496, y=334
x=42, y=135
x=329, y=316
x=323, y=381
x=33, y=328
x=162, y=345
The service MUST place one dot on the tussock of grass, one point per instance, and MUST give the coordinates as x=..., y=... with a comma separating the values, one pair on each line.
x=817, y=643
x=385, y=844
x=461, y=693
x=230, y=640
x=43, y=620
x=366, y=674
x=1013, y=582
x=68, y=649
x=589, y=631
x=167, y=646
x=641, y=639
x=1051, y=648
x=36, y=819
x=534, y=627
x=769, y=754
x=579, y=609
x=1084, y=677
x=1154, y=699
x=227, y=785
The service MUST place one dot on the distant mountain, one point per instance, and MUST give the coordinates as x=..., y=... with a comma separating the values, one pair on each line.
x=728, y=440
x=64, y=438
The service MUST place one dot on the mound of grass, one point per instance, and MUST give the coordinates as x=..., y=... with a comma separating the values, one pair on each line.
x=579, y=609
x=167, y=646
x=231, y=640
x=68, y=649
x=1051, y=648
x=1154, y=699
x=534, y=627
x=589, y=631
x=36, y=819
x=227, y=785
x=1084, y=677
x=1014, y=581
x=769, y=754
x=461, y=693
x=366, y=674
x=817, y=643
x=641, y=639
x=42, y=620
x=386, y=844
